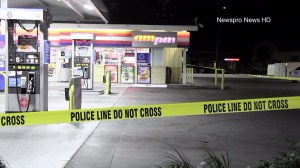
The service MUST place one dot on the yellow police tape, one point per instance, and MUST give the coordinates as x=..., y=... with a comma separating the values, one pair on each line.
x=150, y=111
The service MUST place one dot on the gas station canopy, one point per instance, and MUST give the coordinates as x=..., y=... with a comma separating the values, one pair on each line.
x=66, y=11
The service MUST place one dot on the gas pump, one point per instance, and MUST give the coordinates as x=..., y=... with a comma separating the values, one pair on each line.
x=82, y=59
x=27, y=72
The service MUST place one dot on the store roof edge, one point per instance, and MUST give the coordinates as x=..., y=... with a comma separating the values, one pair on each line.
x=125, y=27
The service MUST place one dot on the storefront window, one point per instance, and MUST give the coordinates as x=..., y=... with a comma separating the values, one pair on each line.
x=65, y=57
x=53, y=61
x=110, y=56
x=114, y=72
x=126, y=63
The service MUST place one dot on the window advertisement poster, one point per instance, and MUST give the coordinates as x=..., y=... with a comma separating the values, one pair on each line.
x=2, y=45
x=143, y=50
x=114, y=72
x=127, y=74
x=143, y=58
x=27, y=43
x=128, y=59
x=82, y=51
x=52, y=65
x=111, y=55
x=144, y=74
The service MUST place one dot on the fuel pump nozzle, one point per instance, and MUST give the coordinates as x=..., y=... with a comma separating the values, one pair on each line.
x=85, y=73
x=31, y=82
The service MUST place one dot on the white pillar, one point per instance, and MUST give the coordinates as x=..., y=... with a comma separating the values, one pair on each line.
x=4, y=32
x=184, y=66
x=3, y=5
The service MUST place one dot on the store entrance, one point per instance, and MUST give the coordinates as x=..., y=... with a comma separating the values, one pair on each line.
x=127, y=65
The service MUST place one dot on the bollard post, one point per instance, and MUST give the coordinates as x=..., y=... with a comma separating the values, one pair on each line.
x=222, y=84
x=75, y=95
x=108, y=83
x=216, y=73
x=71, y=99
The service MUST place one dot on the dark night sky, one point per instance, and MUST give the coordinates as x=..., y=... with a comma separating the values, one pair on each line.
x=283, y=31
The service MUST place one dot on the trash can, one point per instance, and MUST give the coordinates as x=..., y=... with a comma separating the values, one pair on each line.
x=168, y=75
x=67, y=96
x=104, y=79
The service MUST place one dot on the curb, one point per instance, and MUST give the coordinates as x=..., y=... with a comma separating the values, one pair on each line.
x=193, y=86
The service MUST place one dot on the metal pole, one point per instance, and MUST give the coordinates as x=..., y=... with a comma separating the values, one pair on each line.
x=188, y=75
x=184, y=69
x=192, y=75
x=218, y=40
x=216, y=73
x=222, y=84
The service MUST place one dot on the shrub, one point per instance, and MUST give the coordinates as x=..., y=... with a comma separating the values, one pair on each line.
x=289, y=159
x=210, y=160
x=3, y=164
x=178, y=159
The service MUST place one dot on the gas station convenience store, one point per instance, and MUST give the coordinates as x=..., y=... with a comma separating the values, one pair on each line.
x=134, y=55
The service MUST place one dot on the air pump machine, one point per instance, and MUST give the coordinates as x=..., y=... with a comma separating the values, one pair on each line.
x=27, y=54
x=82, y=58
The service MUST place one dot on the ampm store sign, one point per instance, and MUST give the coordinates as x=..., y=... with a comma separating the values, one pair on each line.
x=154, y=39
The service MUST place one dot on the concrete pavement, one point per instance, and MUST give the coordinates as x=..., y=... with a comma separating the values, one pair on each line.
x=51, y=146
